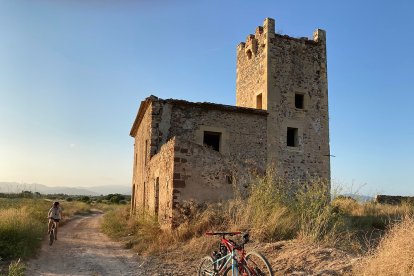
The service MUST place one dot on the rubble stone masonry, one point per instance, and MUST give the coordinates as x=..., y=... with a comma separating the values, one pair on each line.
x=203, y=152
x=277, y=73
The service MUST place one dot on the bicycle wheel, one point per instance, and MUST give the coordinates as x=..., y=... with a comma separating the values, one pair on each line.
x=244, y=271
x=206, y=267
x=51, y=236
x=258, y=265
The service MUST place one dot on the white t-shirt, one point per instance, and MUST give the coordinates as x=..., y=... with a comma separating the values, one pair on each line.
x=55, y=212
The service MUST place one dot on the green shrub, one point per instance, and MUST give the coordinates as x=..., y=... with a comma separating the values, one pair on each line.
x=84, y=199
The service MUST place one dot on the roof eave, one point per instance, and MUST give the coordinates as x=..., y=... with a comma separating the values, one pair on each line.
x=140, y=115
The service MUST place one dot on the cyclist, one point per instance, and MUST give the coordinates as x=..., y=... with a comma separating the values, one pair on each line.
x=54, y=215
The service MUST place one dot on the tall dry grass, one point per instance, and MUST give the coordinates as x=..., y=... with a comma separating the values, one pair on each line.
x=395, y=253
x=273, y=210
x=23, y=224
x=20, y=234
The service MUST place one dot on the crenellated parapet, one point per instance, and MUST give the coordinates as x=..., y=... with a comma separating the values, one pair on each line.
x=263, y=34
x=256, y=42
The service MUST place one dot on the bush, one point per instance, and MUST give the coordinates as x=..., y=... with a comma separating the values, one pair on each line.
x=85, y=199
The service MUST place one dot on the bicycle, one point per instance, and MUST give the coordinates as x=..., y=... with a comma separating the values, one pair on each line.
x=52, y=233
x=233, y=258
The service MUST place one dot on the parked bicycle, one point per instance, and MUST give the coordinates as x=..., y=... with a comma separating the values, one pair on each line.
x=232, y=259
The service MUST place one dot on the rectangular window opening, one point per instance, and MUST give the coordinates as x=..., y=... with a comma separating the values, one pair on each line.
x=212, y=140
x=299, y=101
x=144, y=198
x=146, y=151
x=157, y=196
x=292, y=137
x=259, y=101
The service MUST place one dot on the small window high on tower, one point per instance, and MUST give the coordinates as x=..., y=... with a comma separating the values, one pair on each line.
x=212, y=140
x=300, y=101
x=292, y=137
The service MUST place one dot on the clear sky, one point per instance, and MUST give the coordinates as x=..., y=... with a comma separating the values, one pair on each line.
x=73, y=73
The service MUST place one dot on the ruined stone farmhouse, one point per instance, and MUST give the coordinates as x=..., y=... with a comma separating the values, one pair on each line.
x=197, y=151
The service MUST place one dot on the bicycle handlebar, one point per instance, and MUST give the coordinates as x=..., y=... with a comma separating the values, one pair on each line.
x=246, y=237
x=223, y=233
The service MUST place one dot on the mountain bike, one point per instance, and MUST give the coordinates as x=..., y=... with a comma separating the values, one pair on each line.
x=52, y=234
x=232, y=260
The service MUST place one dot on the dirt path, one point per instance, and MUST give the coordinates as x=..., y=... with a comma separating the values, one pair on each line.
x=81, y=249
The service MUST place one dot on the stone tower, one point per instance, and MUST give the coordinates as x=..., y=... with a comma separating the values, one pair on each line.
x=288, y=77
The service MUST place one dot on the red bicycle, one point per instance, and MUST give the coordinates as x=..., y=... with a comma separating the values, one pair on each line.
x=232, y=258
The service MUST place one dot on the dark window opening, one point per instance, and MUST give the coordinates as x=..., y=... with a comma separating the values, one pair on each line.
x=212, y=140
x=299, y=101
x=229, y=179
x=157, y=196
x=259, y=101
x=146, y=151
x=144, y=201
x=249, y=54
x=292, y=137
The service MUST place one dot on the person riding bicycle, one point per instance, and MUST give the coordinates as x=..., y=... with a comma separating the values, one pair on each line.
x=54, y=215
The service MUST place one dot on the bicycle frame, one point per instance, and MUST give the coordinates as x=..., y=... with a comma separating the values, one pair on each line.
x=222, y=266
x=242, y=263
x=236, y=256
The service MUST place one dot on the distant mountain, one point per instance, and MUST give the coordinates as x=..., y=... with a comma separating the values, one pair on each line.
x=110, y=189
x=14, y=187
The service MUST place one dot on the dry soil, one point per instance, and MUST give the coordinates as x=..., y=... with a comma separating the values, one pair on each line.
x=81, y=249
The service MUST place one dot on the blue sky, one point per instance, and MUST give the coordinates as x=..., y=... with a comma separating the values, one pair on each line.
x=72, y=75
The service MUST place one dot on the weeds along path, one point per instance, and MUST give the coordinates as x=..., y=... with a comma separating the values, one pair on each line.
x=81, y=249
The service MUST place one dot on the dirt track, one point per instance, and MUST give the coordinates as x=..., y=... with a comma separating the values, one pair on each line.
x=81, y=249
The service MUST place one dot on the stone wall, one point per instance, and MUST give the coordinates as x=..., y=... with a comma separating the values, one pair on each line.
x=298, y=66
x=142, y=137
x=159, y=184
x=183, y=171
x=145, y=133
x=243, y=131
x=204, y=175
x=171, y=164
x=251, y=71
x=394, y=200
x=292, y=66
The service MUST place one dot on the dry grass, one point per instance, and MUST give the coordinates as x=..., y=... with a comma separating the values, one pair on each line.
x=270, y=213
x=23, y=224
x=395, y=253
